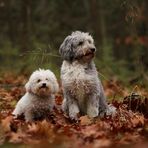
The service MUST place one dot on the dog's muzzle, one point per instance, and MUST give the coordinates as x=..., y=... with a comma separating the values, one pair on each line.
x=44, y=90
x=93, y=49
x=91, y=52
x=44, y=85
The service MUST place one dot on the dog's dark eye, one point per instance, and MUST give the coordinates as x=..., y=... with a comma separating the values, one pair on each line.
x=89, y=41
x=47, y=79
x=38, y=80
x=80, y=43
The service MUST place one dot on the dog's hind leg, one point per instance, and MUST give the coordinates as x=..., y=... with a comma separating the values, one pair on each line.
x=104, y=107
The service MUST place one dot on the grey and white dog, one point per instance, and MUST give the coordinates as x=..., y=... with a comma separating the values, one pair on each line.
x=83, y=91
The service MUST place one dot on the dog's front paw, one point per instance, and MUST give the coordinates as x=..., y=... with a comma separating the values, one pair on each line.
x=17, y=112
x=73, y=116
x=73, y=113
x=92, y=112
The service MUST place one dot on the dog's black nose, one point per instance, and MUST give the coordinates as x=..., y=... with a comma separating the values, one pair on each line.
x=93, y=49
x=44, y=85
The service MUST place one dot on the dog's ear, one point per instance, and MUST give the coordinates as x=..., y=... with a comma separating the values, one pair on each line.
x=27, y=86
x=66, y=49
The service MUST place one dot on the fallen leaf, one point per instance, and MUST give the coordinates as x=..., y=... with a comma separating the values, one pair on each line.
x=85, y=120
x=5, y=123
x=102, y=143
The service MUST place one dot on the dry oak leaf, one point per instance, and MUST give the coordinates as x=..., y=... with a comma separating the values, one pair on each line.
x=130, y=138
x=5, y=123
x=94, y=131
x=102, y=143
x=85, y=120
x=137, y=120
x=18, y=137
x=42, y=129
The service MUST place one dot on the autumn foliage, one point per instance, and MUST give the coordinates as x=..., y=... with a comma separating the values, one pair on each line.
x=129, y=127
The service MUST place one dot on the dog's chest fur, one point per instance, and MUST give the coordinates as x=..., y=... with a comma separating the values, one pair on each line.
x=40, y=107
x=79, y=79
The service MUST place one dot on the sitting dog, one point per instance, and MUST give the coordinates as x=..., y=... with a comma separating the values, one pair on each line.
x=39, y=97
x=83, y=91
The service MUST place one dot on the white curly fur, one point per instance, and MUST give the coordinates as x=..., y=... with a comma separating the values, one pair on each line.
x=39, y=97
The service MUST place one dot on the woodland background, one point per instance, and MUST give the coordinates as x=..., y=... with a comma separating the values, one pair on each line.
x=32, y=31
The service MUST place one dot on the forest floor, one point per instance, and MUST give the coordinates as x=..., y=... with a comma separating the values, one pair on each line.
x=128, y=128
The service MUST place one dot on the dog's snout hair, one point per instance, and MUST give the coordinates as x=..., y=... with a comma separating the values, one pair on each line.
x=93, y=49
x=44, y=85
x=83, y=91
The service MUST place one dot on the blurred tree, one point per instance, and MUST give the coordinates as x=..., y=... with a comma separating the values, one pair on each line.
x=120, y=29
x=25, y=25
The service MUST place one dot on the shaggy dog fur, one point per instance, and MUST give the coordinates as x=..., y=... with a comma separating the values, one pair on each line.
x=39, y=97
x=83, y=91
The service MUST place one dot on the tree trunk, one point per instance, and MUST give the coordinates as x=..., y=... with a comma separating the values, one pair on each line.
x=95, y=20
x=10, y=21
x=146, y=14
x=25, y=25
x=98, y=24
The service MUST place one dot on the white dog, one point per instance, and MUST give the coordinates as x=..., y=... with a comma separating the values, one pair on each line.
x=83, y=91
x=39, y=97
